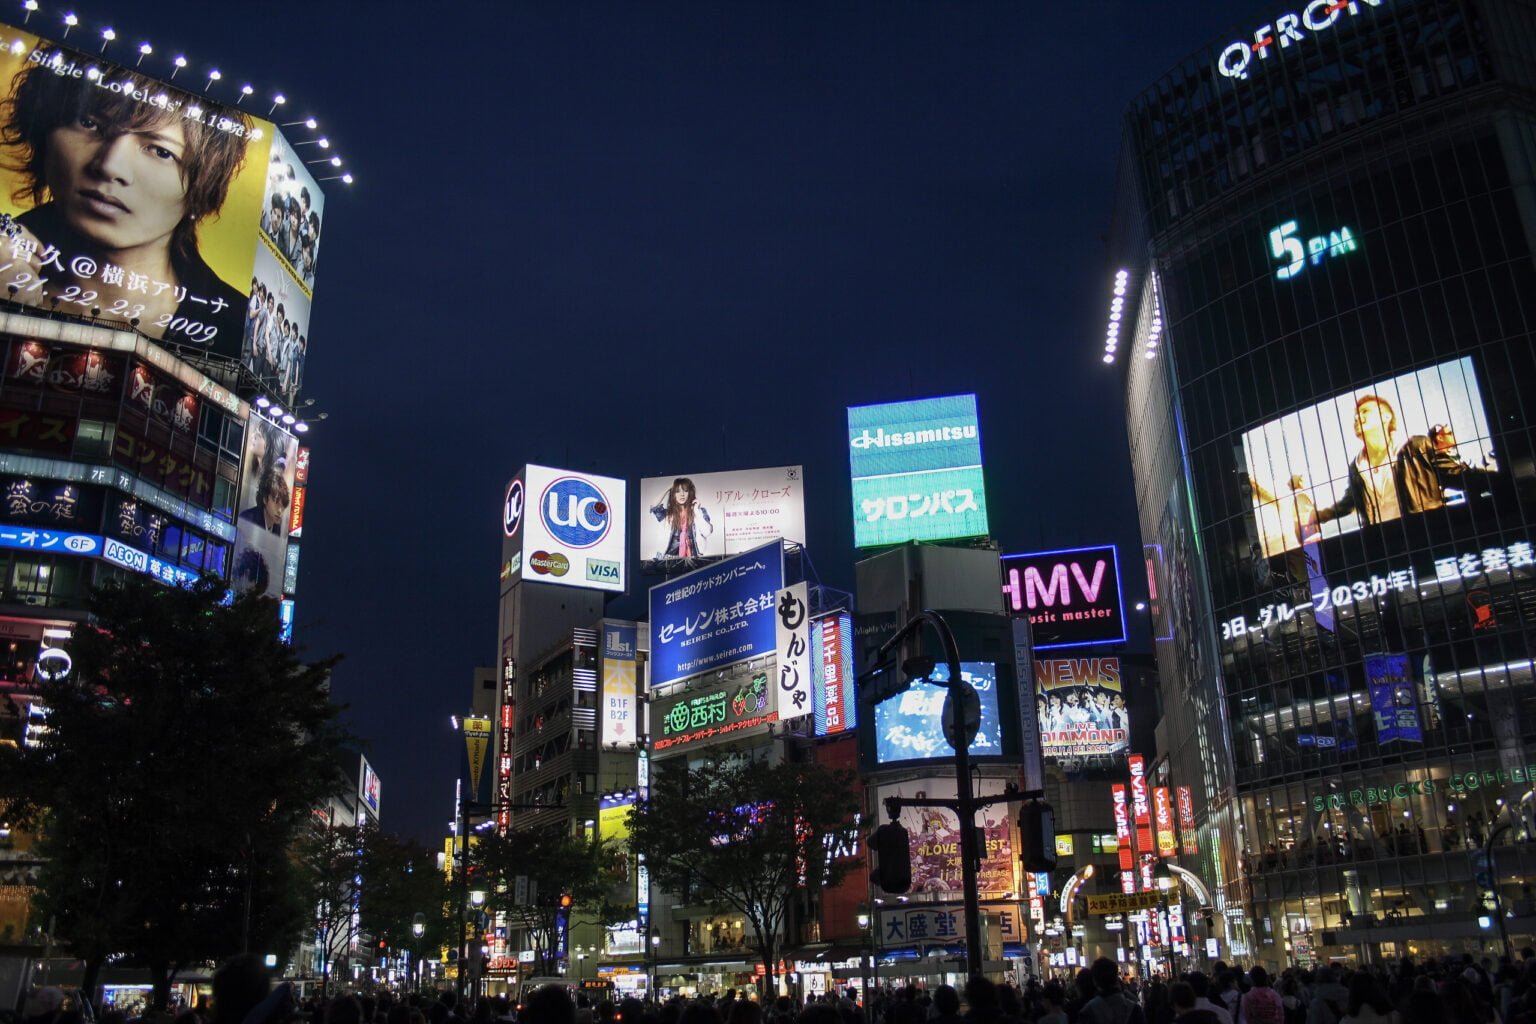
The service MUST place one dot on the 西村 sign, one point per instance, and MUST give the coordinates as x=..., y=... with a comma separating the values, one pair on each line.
x=916, y=469
x=698, y=718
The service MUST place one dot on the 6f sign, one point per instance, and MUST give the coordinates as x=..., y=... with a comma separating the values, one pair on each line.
x=575, y=512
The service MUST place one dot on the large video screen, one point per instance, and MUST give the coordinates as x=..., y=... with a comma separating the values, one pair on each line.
x=909, y=726
x=133, y=201
x=1402, y=446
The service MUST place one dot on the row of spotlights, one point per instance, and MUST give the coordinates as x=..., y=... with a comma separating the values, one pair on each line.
x=1116, y=311
x=1155, y=330
x=278, y=414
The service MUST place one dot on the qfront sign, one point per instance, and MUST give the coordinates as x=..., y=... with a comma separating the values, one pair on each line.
x=916, y=470
x=1071, y=597
x=1289, y=29
x=565, y=528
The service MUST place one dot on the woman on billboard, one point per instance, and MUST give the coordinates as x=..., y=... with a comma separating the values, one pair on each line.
x=679, y=508
x=119, y=176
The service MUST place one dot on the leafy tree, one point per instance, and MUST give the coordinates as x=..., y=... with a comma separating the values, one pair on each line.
x=400, y=881
x=184, y=752
x=328, y=871
x=745, y=835
x=555, y=862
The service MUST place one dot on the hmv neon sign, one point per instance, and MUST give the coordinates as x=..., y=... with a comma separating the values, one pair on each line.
x=1071, y=598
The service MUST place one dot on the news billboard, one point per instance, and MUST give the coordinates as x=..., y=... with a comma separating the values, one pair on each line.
x=267, y=472
x=916, y=469
x=1405, y=445
x=934, y=838
x=1071, y=597
x=700, y=516
x=1082, y=709
x=567, y=528
x=163, y=235
x=716, y=616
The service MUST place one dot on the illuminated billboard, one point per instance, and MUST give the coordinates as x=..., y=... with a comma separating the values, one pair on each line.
x=1081, y=708
x=620, y=716
x=267, y=472
x=368, y=789
x=909, y=726
x=163, y=235
x=1071, y=597
x=1406, y=445
x=934, y=838
x=707, y=515
x=916, y=469
x=716, y=616
x=567, y=528
x=836, y=709
x=700, y=716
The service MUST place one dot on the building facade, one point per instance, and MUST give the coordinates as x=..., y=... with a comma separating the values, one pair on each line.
x=1326, y=309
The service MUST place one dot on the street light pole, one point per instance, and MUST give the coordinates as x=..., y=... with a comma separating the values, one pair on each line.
x=655, y=956
x=866, y=958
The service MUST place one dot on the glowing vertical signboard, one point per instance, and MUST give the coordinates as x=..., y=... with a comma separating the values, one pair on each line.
x=1141, y=804
x=1123, y=838
x=1162, y=812
x=1189, y=838
x=832, y=681
x=620, y=721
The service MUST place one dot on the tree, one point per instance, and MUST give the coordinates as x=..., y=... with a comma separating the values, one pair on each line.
x=185, y=749
x=555, y=862
x=400, y=881
x=329, y=870
x=746, y=835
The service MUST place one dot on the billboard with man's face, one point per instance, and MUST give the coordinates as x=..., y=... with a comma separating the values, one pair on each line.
x=266, y=493
x=133, y=201
x=1403, y=446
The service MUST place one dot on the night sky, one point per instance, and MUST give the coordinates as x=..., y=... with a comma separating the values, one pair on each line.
x=664, y=238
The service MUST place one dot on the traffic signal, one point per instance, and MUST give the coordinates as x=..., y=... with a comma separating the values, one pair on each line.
x=890, y=858
x=1209, y=915
x=1037, y=829
x=565, y=901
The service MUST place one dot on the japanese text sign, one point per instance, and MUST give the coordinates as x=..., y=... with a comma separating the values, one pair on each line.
x=716, y=616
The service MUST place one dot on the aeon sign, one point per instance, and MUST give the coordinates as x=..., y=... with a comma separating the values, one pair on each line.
x=1287, y=30
x=1071, y=598
x=575, y=512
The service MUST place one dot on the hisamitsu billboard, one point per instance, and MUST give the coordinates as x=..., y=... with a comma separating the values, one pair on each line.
x=715, y=616
x=1072, y=597
x=916, y=469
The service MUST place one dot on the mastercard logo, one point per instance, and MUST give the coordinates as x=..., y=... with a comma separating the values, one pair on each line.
x=546, y=564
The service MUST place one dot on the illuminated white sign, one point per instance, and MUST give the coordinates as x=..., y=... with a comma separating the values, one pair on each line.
x=571, y=527
x=1286, y=31
x=1469, y=566
x=1296, y=254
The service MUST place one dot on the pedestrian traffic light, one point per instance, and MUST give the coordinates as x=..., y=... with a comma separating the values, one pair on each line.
x=1037, y=829
x=890, y=858
x=565, y=901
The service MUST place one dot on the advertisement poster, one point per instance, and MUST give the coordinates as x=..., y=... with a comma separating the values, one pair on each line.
x=935, y=838
x=836, y=709
x=716, y=616
x=1402, y=446
x=1394, y=704
x=917, y=472
x=266, y=492
x=620, y=717
x=699, y=717
x=171, y=244
x=708, y=515
x=909, y=726
x=792, y=644
x=568, y=527
x=1082, y=708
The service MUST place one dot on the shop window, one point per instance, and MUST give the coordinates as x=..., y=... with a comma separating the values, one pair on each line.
x=93, y=439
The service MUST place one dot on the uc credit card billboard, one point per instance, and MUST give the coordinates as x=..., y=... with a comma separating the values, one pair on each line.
x=565, y=528
x=716, y=616
x=916, y=469
x=175, y=235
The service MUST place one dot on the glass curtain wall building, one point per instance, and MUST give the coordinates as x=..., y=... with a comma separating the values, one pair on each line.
x=1326, y=228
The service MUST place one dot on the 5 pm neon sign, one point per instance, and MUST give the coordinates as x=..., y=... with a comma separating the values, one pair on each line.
x=1287, y=247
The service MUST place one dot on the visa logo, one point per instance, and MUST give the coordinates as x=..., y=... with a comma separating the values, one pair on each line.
x=602, y=571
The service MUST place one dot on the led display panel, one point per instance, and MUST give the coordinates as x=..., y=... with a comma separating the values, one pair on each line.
x=917, y=471
x=909, y=726
x=210, y=210
x=1402, y=446
x=703, y=516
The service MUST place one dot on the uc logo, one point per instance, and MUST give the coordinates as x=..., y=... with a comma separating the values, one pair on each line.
x=512, y=508
x=575, y=512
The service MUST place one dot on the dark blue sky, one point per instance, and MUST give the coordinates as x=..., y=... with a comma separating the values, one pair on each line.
x=654, y=238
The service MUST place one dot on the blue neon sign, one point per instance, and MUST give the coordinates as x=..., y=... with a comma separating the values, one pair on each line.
x=26, y=538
